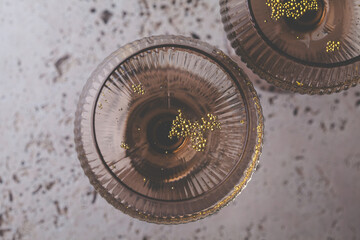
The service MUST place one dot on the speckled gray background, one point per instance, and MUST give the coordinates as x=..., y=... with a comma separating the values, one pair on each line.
x=308, y=182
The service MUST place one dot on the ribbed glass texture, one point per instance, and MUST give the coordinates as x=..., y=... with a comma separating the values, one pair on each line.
x=297, y=54
x=125, y=114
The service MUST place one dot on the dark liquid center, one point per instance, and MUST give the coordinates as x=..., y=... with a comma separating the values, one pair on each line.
x=158, y=134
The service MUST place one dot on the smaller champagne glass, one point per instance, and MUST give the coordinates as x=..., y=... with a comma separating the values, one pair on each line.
x=306, y=46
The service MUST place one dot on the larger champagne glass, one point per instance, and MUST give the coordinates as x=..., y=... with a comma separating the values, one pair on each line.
x=168, y=129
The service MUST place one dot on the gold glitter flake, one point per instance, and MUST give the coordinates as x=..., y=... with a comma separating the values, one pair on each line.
x=299, y=84
x=124, y=146
x=332, y=46
x=138, y=89
x=182, y=127
x=291, y=9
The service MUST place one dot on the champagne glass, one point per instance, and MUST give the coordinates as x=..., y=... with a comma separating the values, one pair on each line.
x=168, y=129
x=306, y=46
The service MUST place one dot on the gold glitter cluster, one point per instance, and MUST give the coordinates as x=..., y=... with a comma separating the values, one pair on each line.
x=182, y=127
x=138, y=89
x=332, y=46
x=124, y=146
x=291, y=9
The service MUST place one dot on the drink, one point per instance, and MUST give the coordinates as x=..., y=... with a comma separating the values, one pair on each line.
x=304, y=37
x=171, y=127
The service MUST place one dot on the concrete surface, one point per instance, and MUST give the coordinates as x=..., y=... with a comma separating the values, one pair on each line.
x=308, y=182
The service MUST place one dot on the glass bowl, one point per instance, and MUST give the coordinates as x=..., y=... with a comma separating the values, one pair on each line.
x=168, y=129
x=313, y=51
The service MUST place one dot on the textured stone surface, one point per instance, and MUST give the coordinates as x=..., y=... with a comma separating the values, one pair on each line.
x=308, y=182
